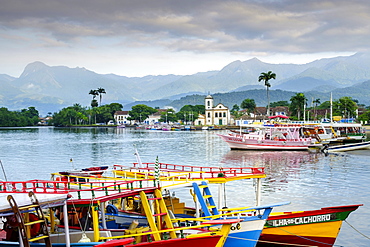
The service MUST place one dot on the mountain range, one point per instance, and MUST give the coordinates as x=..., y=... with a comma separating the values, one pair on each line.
x=50, y=88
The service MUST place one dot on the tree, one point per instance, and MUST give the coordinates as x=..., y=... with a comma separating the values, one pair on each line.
x=140, y=112
x=316, y=102
x=266, y=77
x=279, y=103
x=168, y=117
x=249, y=105
x=345, y=107
x=101, y=91
x=365, y=117
x=94, y=93
x=297, y=105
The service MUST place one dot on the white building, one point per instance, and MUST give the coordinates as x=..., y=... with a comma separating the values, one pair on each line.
x=120, y=117
x=216, y=115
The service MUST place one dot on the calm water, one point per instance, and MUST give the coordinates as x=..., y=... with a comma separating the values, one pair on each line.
x=308, y=180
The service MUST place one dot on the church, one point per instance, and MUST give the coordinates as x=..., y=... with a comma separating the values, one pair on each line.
x=216, y=115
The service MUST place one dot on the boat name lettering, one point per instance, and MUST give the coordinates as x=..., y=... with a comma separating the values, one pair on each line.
x=236, y=227
x=300, y=220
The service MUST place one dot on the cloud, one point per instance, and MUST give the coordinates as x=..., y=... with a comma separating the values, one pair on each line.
x=199, y=27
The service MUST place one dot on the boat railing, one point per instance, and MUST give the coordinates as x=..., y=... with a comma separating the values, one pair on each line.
x=164, y=167
x=63, y=187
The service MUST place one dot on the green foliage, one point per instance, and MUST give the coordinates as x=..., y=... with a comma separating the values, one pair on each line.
x=279, y=103
x=25, y=117
x=324, y=105
x=345, y=107
x=78, y=115
x=94, y=103
x=297, y=105
x=249, y=105
x=365, y=117
x=168, y=116
x=140, y=112
x=191, y=108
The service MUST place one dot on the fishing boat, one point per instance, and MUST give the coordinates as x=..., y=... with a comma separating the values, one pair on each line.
x=86, y=172
x=305, y=228
x=88, y=199
x=278, y=137
x=245, y=233
x=346, y=147
x=299, y=227
x=172, y=172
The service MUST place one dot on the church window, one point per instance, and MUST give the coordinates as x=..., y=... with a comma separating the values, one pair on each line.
x=216, y=114
x=209, y=114
x=224, y=114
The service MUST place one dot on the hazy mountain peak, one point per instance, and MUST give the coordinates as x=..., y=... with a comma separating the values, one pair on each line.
x=33, y=67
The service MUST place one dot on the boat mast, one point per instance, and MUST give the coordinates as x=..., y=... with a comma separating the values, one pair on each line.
x=331, y=107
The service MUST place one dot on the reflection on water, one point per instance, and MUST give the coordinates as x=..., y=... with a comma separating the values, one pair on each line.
x=308, y=180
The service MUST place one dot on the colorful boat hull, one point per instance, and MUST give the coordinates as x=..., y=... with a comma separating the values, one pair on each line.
x=247, y=235
x=316, y=227
x=206, y=241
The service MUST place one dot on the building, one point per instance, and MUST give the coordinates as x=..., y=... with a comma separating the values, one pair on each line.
x=216, y=115
x=120, y=117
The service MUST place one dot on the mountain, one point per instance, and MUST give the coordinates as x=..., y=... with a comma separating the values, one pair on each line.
x=54, y=87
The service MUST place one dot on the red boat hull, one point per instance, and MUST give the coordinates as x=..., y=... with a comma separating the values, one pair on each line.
x=206, y=241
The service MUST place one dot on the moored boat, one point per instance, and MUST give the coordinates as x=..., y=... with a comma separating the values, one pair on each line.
x=278, y=137
x=305, y=228
x=346, y=147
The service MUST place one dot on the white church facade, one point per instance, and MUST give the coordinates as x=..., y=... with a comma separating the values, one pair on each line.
x=216, y=115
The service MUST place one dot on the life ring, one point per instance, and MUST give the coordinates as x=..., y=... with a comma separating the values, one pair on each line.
x=112, y=209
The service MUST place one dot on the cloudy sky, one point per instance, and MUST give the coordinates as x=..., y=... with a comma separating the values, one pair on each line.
x=156, y=37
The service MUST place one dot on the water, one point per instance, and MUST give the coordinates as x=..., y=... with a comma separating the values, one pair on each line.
x=308, y=180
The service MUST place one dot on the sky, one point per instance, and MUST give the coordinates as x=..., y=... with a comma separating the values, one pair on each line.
x=135, y=38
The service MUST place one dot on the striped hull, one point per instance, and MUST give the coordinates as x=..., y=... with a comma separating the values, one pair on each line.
x=247, y=235
x=317, y=227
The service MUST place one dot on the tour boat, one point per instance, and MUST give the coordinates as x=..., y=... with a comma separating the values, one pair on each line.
x=278, y=137
x=305, y=228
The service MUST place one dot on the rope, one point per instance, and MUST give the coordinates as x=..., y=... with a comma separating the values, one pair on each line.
x=87, y=216
x=357, y=230
x=303, y=237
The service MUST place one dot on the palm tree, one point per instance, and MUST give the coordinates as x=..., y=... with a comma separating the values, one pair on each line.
x=94, y=93
x=266, y=77
x=100, y=91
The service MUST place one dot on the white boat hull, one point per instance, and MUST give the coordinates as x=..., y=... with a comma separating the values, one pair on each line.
x=349, y=147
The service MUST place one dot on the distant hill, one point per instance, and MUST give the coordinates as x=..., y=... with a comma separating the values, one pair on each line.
x=50, y=88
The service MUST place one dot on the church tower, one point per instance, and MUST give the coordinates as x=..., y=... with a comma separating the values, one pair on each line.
x=208, y=102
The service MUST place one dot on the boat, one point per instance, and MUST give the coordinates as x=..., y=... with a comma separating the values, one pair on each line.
x=86, y=172
x=245, y=233
x=85, y=199
x=298, y=228
x=25, y=219
x=172, y=172
x=278, y=137
x=305, y=228
x=346, y=147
